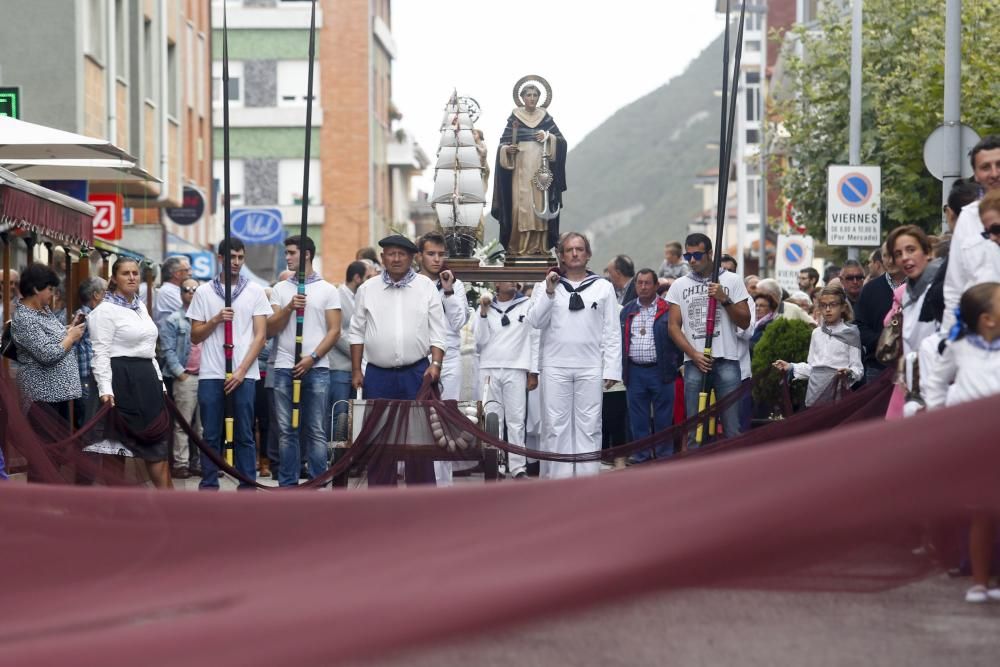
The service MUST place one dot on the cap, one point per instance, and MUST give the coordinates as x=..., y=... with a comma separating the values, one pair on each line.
x=398, y=241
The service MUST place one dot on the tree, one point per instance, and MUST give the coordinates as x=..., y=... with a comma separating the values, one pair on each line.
x=903, y=88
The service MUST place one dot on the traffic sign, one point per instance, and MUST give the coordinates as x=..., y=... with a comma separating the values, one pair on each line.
x=854, y=195
x=108, y=218
x=257, y=226
x=934, y=149
x=794, y=253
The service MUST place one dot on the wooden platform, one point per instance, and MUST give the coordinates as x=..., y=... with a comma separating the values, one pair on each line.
x=517, y=269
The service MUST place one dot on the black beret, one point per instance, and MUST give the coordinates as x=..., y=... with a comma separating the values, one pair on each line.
x=398, y=241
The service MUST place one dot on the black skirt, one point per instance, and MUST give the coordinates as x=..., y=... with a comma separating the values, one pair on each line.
x=142, y=421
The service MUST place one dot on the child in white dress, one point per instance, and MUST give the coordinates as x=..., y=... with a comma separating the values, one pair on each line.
x=969, y=369
x=834, y=349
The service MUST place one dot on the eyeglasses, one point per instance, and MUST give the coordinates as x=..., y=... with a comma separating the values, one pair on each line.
x=854, y=278
x=696, y=256
x=829, y=306
x=994, y=230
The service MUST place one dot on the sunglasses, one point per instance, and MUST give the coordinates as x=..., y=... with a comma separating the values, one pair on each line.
x=189, y=290
x=852, y=278
x=994, y=230
x=696, y=256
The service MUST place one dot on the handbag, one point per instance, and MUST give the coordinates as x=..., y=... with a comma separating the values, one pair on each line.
x=7, y=347
x=889, y=347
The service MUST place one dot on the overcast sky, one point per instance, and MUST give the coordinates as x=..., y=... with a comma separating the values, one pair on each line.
x=597, y=56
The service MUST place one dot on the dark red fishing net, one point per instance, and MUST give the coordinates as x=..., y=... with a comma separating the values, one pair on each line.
x=105, y=576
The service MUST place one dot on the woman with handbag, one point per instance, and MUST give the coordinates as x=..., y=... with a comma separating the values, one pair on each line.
x=48, y=374
x=123, y=336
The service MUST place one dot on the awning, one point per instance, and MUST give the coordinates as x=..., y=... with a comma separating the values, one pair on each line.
x=26, y=205
x=20, y=140
x=117, y=171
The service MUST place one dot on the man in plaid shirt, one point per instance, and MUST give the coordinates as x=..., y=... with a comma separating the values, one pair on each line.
x=91, y=293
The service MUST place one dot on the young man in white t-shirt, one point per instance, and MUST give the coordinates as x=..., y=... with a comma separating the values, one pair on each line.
x=320, y=330
x=248, y=314
x=691, y=293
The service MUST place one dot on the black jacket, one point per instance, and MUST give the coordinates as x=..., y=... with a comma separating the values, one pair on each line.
x=873, y=304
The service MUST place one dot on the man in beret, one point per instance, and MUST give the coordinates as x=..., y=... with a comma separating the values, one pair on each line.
x=398, y=321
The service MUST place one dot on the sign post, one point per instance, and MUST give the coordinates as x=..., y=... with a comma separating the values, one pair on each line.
x=792, y=254
x=853, y=204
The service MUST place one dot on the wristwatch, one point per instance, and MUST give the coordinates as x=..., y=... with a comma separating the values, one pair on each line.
x=449, y=292
x=315, y=357
x=436, y=363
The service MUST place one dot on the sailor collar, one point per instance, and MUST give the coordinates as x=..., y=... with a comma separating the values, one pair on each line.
x=517, y=301
x=575, y=300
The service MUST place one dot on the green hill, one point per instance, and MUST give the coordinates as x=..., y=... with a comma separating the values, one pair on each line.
x=631, y=179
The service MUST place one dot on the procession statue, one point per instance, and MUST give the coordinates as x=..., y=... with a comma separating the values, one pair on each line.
x=530, y=174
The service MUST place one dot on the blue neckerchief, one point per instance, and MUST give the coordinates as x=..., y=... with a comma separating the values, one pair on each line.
x=237, y=289
x=402, y=282
x=310, y=279
x=135, y=304
x=978, y=341
x=958, y=328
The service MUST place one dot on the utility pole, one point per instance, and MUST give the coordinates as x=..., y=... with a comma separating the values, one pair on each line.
x=952, y=97
x=854, y=158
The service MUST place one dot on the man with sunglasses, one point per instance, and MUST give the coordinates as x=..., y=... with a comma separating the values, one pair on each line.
x=182, y=363
x=690, y=297
x=852, y=278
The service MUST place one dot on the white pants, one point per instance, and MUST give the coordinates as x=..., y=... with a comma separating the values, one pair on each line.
x=507, y=389
x=186, y=400
x=451, y=389
x=571, y=419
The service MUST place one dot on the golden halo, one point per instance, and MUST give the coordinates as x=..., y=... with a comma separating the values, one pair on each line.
x=532, y=78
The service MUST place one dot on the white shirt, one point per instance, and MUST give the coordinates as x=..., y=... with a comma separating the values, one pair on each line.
x=830, y=352
x=588, y=338
x=692, y=297
x=206, y=305
x=117, y=331
x=513, y=346
x=167, y=301
x=339, y=356
x=743, y=337
x=968, y=231
x=398, y=325
x=975, y=372
x=456, y=314
x=321, y=296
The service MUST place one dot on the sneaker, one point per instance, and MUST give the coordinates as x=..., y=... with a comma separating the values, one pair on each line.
x=180, y=473
x=265, y=468
x=977, y=594
x=993, y=594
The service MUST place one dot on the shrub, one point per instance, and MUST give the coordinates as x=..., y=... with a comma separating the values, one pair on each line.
x=783, y=339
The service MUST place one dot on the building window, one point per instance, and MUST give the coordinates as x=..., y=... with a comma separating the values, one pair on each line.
x=173, y=96
x=235, y=84
x=753, y=136
x=293, y=80
x=121, y=39
x=236, y=181
x=753, y=21
x=810, y=11
x=93, y=38
x=753, y=101
x=290, y=174
x=148, y=59
x=201, y=72
x=753, y=195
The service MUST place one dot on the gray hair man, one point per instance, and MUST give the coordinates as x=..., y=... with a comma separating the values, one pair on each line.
x=175, y=270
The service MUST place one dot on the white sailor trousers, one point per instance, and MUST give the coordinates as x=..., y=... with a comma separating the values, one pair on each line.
x=451, y=388
x=507, y=390
x=571, y=419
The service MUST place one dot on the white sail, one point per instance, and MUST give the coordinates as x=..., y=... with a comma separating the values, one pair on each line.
x=456, y=119
x=458, y=157
x=464, y=186
x=459, y=215
x=450, y=137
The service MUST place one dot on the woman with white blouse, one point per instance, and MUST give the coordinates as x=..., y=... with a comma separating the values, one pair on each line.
x=123, y=336
x=834, y=349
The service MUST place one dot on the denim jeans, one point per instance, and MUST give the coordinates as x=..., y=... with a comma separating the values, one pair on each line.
x=340, y=390
x=647, y=390
x=212, y=405
x=726, y=379
x=314, y=419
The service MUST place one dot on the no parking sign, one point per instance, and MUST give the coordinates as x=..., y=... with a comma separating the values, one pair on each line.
x=853, y=205
x=794, y=253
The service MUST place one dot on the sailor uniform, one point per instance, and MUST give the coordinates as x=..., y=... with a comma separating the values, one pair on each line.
x=830, y=349
x=508, y=351
x=579, y=347
x=456, y=314
x=972, y=364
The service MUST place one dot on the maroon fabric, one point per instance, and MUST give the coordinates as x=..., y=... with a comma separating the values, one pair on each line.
x=110, y=577
x=48, y=217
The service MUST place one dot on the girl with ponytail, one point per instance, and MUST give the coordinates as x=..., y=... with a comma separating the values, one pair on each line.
x=969, y=369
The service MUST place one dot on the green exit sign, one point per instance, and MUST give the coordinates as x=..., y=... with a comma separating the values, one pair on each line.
x=10, y=102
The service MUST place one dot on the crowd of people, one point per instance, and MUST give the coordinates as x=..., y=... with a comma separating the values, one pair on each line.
x=543, y=355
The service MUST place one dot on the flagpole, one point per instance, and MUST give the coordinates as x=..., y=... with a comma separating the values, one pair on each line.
x=300, y=312
x=728, y=119
x=226, y=237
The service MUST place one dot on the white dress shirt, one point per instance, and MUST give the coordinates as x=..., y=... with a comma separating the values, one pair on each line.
x=117, y=331
x=398, y=325
x=514, y=346
x=588, y=338
x=830, y=352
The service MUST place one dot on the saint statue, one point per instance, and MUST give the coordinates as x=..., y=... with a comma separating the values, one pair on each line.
x=530, y=174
